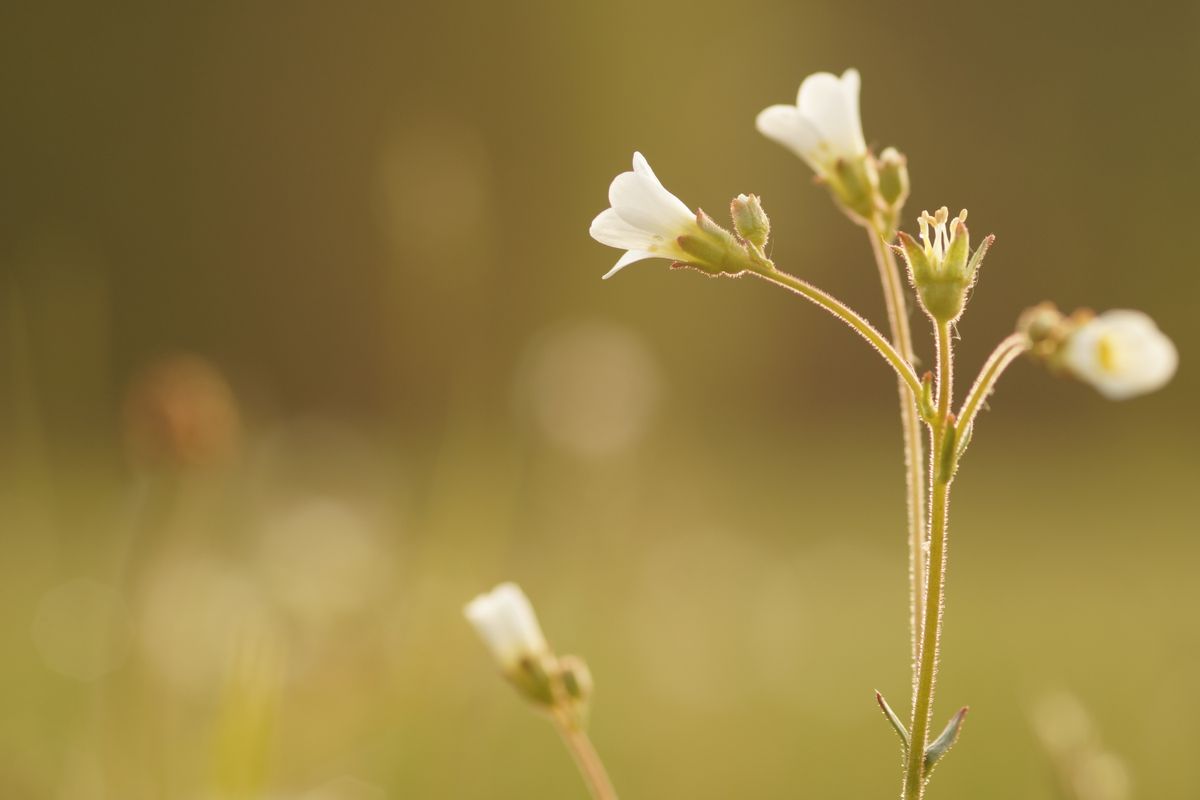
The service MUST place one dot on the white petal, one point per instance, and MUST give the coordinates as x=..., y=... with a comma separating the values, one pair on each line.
x=627, y=259
x=608, y=228
x=504, y=619
x=642, y=167
x=642, y=201
x=831, y=105
x=785, y=125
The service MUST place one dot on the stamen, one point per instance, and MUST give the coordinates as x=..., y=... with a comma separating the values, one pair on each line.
x=959, y=223
x=924, y=221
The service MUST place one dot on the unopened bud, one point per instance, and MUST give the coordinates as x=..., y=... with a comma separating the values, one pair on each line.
x=893, y=178
x=505, y=621
x=576, y=678
x=1046, y=328
x=749, y=220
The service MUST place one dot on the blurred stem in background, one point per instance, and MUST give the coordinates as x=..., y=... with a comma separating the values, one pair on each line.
x=585, y=755
x=914, y=451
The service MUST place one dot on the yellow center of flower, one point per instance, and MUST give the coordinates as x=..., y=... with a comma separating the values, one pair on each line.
x=1106, y=354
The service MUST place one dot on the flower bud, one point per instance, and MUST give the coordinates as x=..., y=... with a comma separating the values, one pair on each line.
x=1046, y=327
x=749, y=220
x=505, y=620
x=893, y=178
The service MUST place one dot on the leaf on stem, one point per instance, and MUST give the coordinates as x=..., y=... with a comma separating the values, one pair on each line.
x=941, y=745
x=891, y=717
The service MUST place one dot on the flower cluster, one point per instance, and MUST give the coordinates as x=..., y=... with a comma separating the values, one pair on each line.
x=1121, y=353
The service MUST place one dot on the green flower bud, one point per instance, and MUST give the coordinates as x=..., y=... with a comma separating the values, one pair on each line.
x=1046, y=327
x=749, y=220
x=893, y=178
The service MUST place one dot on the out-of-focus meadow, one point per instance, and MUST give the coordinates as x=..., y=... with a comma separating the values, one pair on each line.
x=303, y=344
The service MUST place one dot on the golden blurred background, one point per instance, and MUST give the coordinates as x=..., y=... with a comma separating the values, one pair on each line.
x=304, y=344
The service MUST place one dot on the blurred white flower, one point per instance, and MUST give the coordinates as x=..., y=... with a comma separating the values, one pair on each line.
x=824, y=125
x=504, y=619
x=1122, y=353
x=645, y=219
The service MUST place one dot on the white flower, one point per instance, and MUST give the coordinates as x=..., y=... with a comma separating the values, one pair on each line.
x=824, y=125
x=645, y=219
x=504, y=619
x=1122, y=353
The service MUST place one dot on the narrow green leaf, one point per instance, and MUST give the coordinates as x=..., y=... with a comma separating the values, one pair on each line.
x=891, y=717
x=941, y=745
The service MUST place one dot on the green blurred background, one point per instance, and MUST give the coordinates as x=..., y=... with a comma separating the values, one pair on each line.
x=304, y=344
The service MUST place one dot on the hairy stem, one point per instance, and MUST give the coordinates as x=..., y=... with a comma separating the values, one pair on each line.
x=1005, y=353
x=585, y=755
x=902, y=367
x=910, y=421
x=940, y=476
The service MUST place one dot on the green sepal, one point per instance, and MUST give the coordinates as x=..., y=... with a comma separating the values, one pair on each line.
x=964, y=440
x=941, y=745
x=958, y=252
x=977, y=258
x=534, y=679
x=575, y=682
x=713, y=249
x=919, y=268
x=926, y=405
x=891, y=717
x=853, y=183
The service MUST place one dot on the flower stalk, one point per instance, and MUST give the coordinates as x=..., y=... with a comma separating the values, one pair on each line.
x=941, y=473
x=579, y=744
x=1006, y=352
x=910, y=422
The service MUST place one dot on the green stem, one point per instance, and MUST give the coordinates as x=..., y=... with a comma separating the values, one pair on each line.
x=910, y=421
x=1005, y=353
x=585, y=755
x=940, y=478
x=843, y=312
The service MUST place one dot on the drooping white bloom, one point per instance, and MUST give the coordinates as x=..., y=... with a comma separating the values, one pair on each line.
x=1122, y=353
x=504, y=619
x=824, y=125
x=645, y=219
